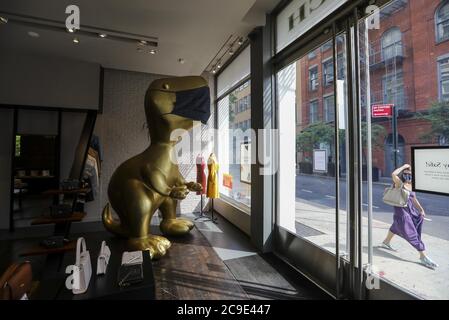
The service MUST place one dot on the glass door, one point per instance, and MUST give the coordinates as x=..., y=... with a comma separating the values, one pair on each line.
x=312, y=186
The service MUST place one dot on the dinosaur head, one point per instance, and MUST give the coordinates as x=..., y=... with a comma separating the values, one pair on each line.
x=176, y=103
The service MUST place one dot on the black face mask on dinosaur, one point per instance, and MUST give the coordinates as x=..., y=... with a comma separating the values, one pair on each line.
x=193, y=104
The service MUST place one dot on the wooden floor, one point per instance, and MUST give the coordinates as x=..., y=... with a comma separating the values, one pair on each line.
x=192, y=270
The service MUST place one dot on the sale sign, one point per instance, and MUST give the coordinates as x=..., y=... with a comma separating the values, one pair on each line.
x=382, y=110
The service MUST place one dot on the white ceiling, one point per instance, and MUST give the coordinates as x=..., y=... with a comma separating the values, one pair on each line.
x=193, y=30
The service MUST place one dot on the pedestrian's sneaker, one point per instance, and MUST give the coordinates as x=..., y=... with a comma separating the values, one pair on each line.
x=428, y=262
x=388, y=247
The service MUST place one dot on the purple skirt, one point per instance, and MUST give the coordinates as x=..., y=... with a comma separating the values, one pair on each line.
x=407, y=223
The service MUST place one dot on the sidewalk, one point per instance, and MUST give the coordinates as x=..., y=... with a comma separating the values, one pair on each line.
x=401, y=267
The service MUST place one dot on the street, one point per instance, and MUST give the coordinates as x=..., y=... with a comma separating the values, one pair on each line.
x=321, y=190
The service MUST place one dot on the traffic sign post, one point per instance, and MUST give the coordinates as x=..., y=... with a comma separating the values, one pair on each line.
x=387, y=111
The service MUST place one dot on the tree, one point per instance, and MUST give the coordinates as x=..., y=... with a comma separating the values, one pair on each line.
x=232, y=106
x=317, y=133
x=438, y=116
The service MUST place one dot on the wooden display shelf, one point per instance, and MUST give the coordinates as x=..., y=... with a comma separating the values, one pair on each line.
x=38, y=250
x=54, y=192
x=75, y=217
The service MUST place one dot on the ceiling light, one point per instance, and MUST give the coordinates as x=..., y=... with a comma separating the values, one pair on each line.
x=76, y=40
x=3, y=20
x=218, y=65
x=152, y=51
x=102, y=35
x=33, y=34
x=71, y=30
x=181, y=61
x=214, y=71
x=240, y=41
x=231, y=52
x=143, y=42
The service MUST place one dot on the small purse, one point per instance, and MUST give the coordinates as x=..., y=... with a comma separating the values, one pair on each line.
x=103, y=258
x=15, y=283
x=82, y=270
x=396, y=197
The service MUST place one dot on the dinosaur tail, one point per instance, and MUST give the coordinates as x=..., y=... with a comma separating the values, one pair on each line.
x=110, y=223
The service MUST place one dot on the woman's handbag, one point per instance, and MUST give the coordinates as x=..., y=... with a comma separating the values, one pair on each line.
x=396, y=197
x=82, y=270
x=15, y=283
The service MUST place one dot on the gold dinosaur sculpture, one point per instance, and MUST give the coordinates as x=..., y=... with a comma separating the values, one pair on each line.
x=151, y=180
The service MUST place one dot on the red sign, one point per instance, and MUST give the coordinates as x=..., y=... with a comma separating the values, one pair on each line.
x=382, y=110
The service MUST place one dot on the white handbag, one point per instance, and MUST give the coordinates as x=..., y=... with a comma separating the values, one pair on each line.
x=82, y=270
x=396, y=197
x=103, y=258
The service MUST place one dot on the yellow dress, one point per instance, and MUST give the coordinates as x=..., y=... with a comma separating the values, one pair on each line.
x=212, y=179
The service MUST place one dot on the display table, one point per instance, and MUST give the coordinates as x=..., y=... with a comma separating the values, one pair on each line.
x=102, y=286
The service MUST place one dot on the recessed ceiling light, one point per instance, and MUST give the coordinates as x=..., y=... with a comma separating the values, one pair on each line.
x=33, y=34
x=76, y=40
x=3, y=20
x=152, y=51
x=214, y=71
x=102, y=35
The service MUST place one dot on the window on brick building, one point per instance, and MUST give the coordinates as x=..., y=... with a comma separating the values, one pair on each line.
x=329, y=107
x=391, y=44
x=313, y=79
x=443, y=70
x=328, y=72
x=313, y=111
x=442, y=21
x=393, y=89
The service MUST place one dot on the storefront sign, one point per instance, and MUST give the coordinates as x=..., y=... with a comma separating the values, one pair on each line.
x=320, y=161
x=430, y=167
x=227, y=181
x=300, y=16
x=245, y=162
x=382, y=110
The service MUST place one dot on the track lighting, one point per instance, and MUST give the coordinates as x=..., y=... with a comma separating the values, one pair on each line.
x=71, y=30
x=218, y=65
x=143, y=42
x=76, y=40
x=3, y=20
x=240, y=41
x=102, y=35
x=152, y=51
x=231, y=52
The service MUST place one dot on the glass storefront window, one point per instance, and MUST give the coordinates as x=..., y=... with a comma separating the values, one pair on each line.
x=234, y=125
x=307, y=149
x=415, y=82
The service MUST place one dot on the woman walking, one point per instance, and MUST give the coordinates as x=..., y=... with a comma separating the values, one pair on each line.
x=408, y=221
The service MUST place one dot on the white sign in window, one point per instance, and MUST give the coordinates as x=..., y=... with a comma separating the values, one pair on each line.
x=431, y=170
x=320, y=161
x=300, y=16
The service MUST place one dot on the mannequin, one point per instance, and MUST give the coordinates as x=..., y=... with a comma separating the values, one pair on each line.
x=212, y=183
x=212, y=179
x=201, y=173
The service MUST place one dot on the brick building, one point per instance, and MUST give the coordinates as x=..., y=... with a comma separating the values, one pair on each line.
x=409, y=67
